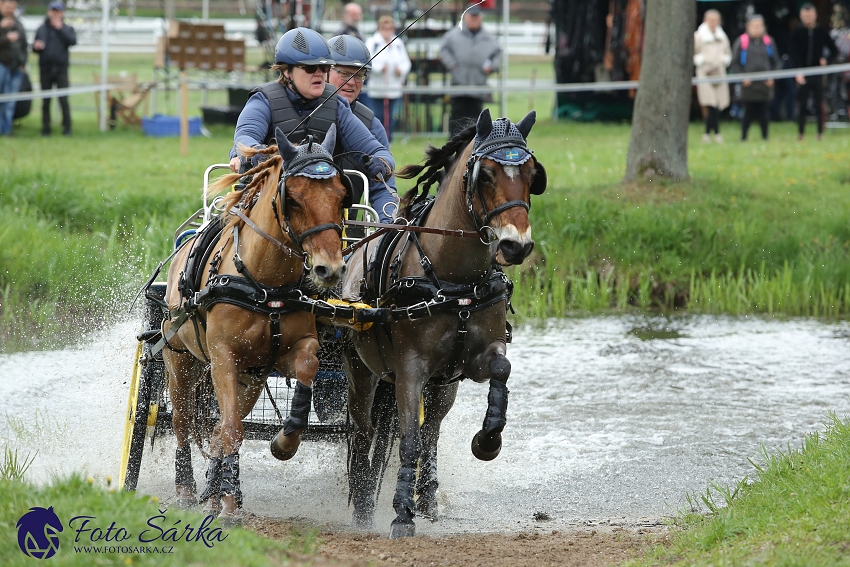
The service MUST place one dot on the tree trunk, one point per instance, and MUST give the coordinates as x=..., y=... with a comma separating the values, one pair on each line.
x=658, y=148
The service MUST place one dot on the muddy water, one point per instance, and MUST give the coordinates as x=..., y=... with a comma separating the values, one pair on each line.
x=611, y=419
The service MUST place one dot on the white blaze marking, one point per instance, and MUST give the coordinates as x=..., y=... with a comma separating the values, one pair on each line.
x=512, y=171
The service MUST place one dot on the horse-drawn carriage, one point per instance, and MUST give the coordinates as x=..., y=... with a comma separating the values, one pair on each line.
x=304, y=342
x=149, y=413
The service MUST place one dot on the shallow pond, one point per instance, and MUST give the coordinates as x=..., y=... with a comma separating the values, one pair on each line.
x=611, y=420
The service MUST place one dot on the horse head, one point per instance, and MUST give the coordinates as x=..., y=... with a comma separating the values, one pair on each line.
x=502, y=174
x=313, y=192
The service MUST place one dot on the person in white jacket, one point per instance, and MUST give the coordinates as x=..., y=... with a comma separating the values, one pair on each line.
x=389, y=71
x=712, y=55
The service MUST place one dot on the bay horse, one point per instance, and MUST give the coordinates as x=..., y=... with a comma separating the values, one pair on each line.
x=249, y=316
x=449, y=300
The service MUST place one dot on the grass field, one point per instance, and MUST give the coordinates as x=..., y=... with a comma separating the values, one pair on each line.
x=140, y=525
x=762, y=227
x=793, y=512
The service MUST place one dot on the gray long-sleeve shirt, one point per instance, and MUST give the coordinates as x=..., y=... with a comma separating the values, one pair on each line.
x=465, y=54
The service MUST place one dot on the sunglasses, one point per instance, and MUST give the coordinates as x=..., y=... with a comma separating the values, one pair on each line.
x=311, y=69
x=346, y=75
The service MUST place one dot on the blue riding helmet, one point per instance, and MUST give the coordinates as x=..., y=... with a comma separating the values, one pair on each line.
x=302, y=46
x=348, y=50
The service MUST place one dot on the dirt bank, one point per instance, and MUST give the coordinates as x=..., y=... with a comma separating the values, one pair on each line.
x=579, y=547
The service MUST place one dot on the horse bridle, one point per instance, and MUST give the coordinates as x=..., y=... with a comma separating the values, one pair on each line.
x=293, y=168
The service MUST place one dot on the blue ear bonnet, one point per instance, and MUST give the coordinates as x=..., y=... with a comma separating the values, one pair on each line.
x=312, y=161
x=504, y=144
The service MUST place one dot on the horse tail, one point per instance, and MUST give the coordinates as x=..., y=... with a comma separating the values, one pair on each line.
x=436, y=166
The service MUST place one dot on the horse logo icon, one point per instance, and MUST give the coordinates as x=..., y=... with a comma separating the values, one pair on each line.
x=38, y=533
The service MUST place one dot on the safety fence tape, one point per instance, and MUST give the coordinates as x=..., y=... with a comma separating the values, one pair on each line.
x=487, y=89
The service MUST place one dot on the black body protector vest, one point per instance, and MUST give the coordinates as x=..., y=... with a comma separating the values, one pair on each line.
x=285, y=117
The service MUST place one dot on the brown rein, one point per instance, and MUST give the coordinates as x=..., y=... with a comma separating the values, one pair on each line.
x=384, y=228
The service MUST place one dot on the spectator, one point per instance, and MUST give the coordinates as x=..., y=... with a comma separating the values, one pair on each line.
x=13, y=57
x=755, y=51
x=352, y=15
x=52, y=41
x=712, y=54
x=470, y=53
x=350, y=54
x=389, y=70
x=808, y=43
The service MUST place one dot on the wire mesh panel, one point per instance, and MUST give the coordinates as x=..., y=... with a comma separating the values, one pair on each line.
x=327, y=418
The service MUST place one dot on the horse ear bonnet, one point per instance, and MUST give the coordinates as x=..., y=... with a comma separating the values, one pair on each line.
x=538, y=184
x=284, y=147
x=348, y=200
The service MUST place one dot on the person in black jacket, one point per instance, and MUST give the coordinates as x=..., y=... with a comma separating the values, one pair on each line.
x=13, y=57
x=808, y=43
x=52, y=41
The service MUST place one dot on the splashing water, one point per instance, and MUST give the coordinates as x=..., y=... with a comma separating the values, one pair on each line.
x=611, y=419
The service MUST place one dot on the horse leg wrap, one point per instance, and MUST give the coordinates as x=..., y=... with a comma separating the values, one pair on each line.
x=183, y=474
x=497, y=408
x=403, y=500
x=299, y=409
x=488, y=442
x=230, y=484
x=426, y=485
x=213, y=486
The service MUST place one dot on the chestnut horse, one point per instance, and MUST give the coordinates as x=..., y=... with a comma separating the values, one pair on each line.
x=448, y=299
x=244, y=324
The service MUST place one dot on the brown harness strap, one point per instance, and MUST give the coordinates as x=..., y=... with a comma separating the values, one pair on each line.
x=277, y=243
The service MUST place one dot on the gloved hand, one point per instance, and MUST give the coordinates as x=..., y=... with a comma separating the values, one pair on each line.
x=379, y=170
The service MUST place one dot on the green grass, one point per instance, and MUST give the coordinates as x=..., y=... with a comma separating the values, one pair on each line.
x=761, y=228
x=796, y=512
x=76, y=496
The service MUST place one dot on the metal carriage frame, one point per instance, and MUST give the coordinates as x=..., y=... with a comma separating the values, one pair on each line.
x=148, y=414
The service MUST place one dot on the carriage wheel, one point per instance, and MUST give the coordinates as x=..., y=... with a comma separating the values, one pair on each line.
x=142, y=403
x=136, y=425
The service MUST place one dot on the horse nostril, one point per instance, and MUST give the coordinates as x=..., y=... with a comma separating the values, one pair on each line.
x=526, y=250
x=510, y=248
x=321, y=272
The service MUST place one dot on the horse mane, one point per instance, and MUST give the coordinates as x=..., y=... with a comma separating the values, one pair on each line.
x=266, y=171
x=436, y=166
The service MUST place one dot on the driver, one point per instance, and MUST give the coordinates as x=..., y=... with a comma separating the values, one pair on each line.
x=349, y=73
x=303, y=59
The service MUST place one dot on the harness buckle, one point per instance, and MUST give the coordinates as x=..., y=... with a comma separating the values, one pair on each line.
x=274, y=316
x=464, y=316
x=197, y=298
x=265, y=296
x=483, y=232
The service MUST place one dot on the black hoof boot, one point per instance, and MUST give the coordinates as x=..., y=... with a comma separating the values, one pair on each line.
x=285, y=444
x=400, y=530
x=230, y=483
x=184, y=478
x=212, y=489
x=486, y=448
